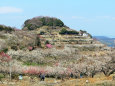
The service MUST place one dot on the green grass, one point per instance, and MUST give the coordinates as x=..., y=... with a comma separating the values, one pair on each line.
x=34, y=64
x=3, y=36
x=1, y=76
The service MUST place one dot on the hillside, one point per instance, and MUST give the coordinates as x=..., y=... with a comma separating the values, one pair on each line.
x=55, y=50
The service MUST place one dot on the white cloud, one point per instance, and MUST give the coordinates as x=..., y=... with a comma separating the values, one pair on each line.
x=5, y=10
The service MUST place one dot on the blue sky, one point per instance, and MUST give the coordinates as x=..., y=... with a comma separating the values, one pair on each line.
x=95, y=16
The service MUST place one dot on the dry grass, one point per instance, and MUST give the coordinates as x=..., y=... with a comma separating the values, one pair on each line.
x=96, y=81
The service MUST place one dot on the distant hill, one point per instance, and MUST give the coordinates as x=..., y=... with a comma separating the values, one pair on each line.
x=106, y=40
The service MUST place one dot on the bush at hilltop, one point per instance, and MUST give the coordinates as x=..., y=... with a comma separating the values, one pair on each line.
x=64, y=31
x=37, y=22
x=6, y=28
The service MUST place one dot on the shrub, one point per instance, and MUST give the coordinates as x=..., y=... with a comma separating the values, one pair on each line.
x=14, y=76
x=31, y=26
x=4, y=50
x=64, y=31
x=6, y=28
x=38, y=42
x=42, y=33
x=47, y=42
x=21, y=47
x=14, y=47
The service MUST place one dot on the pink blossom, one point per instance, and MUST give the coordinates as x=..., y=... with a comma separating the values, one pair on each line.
x=42, y=71
x=30, y=48
x=31, y=70
x=48, y=45
x=34, y=70
x=4, y=57
x=57, y=64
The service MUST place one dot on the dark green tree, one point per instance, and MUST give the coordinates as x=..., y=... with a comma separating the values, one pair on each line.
x=47, y=42
x=63, y=31
x=38, y=42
